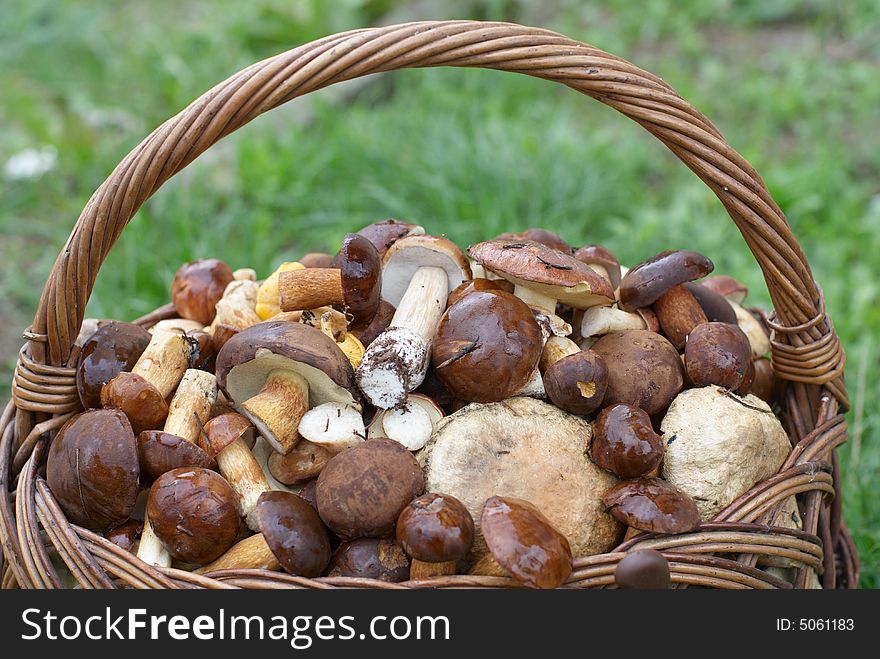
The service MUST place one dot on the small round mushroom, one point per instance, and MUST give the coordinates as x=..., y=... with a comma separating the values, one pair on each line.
x=644, y=569
x=303, y=463
x=192, y=512
x=714, y=306
x=162, y=451
x=316, y=260
x=718, y=353
x=652, y=504
x=198, y=287
x=679, y=313
x=125, y=535
x=92, y=469
x=418, y=274
x=275, y=371
x=354, y=282
x=602, y=261
x=141, y=393
x=577, y=383
x=113, y=348
x=647, y=281
x=333, y=426
x=548, y=238
x=291, y=537
x=727, y=287
x=435, y=530
x=543, y=276
x=486, y=332
x=624, y=442
x=369, y=558
x=524, y=542
x=645, y=370
x=361, y=491
x=384, y=234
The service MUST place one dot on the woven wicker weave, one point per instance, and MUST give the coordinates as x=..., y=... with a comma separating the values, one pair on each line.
x=806, y=350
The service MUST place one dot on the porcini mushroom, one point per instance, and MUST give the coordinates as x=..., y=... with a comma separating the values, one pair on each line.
x=267, y=294
x=577, y=382
x=644, y=369
x=198, y=287
x=602, y=261
x=486, y=332
x=624, y=442
x=718, y=353
x=141, y=393
x=652, y=504
x=418, y=274
x=354, y=283
x=644, y=283
x=161, y=451
x=291, y=537
x=192, y=512
x=552, y=240
x=525, y=543
x=679, y=312
x=727, y=287
x=411, y=425
x=379, y=324
x=361, y=491
x=644, y=569
x=113, y=348
x=92, y=469
x=369, y=558
x=384, y=234
x=333, y=426
x=275, y=371
x=303, y=463
x=435, y=530
x=598, y=321
x=714, y=306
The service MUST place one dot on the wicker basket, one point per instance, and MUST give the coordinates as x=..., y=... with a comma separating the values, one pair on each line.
x=806, y=350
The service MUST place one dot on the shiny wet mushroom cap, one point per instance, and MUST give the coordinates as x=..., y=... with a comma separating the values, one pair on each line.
x=198, y=287
x=161, y=451
x=624, y=442
x=715, y=306
x=525, y=543
x=647, y=281
x=435, y=530
x=115, y=347
x=601, y=260
x=369, y=558
x=577, y=383
x=303, y=463
x=294, y=533
x=486, y=332
x=92, y=469
x=644, y=569
x=652, y=504
x=384, y=234
x=718, y=353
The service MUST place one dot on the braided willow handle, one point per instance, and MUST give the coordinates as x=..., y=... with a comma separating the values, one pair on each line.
x=806, y=350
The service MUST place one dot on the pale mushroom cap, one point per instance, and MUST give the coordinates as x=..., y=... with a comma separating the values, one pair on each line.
x=524, y=448
x=417, y=251
x=548, y=271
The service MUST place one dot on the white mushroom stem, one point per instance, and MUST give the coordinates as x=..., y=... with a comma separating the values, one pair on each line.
x=192, y=404
x=555, y=349
x=240, y=468
x=165, y=360
x=178, y=324
x=277, y=409
x=244, y=274
x=151, y=550
x=250, y=553
x=535, y=299
x=333, y=426
x=600, y=270
x=397, y=360
x=604, y=320
x=750, y=326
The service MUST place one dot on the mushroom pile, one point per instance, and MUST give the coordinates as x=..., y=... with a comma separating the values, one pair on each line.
x=404, y=409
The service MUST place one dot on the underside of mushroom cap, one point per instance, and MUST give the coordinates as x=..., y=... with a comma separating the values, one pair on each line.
x=416, y=251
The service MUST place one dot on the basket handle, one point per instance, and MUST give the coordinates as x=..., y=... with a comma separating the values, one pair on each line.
x=806, y=349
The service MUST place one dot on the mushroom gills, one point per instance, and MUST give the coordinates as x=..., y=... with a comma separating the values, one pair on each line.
x=278, y=408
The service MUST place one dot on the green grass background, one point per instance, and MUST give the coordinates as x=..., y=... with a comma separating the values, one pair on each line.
x=794, y=85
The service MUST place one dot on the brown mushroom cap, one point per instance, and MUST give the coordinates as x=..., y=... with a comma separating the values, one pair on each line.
x=552, y=240
x=294, y=533
x=316, y=260
x=435, y=528
x=715, y=306
x=380, y=322
x=248, y=357
x=545, y=270
x=645, y=569
x=360, y=266
x=139, y=400
x=416, y=251
x=624, y=442
x=652, y=504
x=598, y=255
x=478, y=284
x=362, y=490
x=222, y=430
x=113, y=348
x=303, y=463
x=369, y=558
x=525, y=543
x=577, y=383
x=647, y=281
x=727, y=287
x=198, y=287
x=193, y=512
x=204, y=350
x=645, y=371
x=720, y=354
x=384, y=234
x=162, y=451
x=765, y=384
x=125, y=535
x=92, y=469
x=486, y=332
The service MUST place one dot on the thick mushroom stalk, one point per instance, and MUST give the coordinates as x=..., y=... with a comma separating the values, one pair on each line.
x=278, y=408
x=192, y=402
x=249, y=554
x=397, y=360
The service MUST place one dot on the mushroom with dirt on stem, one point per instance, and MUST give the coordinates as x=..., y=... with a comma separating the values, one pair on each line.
x=418, y=274
x=435, y=530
